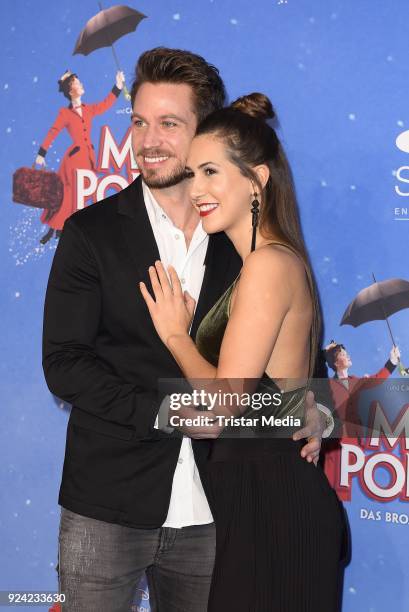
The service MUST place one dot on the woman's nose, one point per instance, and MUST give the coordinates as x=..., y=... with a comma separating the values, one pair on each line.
x=196, y=188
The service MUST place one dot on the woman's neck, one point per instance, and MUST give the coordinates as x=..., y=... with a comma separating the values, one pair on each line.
x=241, y=238
x=342, y=373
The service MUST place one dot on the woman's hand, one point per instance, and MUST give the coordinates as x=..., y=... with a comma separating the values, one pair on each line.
x=40, y=160
x=119, y=79
x=172, y=309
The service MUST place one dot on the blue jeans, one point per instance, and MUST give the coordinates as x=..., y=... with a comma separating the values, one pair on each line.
x=100, y=565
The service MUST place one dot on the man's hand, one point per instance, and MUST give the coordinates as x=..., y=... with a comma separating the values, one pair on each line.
x=315, y=424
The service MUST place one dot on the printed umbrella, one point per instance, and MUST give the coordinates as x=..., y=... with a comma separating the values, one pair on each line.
x=378, y=302
x=105, y=28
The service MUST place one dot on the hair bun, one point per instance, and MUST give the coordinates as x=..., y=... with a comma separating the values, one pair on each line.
x=256, y=105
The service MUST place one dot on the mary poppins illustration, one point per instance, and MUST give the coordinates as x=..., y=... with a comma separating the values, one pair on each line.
x=77, y=119
x=102, y=30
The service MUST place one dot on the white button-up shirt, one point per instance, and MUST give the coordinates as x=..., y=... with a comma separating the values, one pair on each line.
x=188, y=502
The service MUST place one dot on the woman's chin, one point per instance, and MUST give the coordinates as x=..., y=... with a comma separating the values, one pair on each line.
x=211, y=227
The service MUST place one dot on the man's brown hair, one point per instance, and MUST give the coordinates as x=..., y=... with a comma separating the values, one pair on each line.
x=164, y=65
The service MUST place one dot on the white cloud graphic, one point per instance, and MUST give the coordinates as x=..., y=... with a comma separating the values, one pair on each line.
x=402, y=141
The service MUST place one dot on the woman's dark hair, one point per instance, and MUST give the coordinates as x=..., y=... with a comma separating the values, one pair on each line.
x=251, y=141
x=331, y=354
x=64, y=85
x=163, y=65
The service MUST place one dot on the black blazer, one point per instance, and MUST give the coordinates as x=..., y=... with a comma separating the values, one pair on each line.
x=102, y=354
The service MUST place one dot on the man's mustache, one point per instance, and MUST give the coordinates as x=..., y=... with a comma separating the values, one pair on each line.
x=154, y=153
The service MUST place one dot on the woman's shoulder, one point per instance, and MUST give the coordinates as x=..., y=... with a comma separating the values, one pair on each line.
x=270, y=280
x=63, y=113
x=273, y=262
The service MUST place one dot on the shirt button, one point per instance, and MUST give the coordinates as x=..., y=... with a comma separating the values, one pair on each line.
x=183, y=280
x=180, y=460
x=163, y=216
x=177, y=236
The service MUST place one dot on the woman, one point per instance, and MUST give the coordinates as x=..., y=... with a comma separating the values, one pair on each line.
x=278, y=522
x=77, y=119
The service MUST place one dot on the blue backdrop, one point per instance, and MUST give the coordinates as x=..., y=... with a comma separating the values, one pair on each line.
x=337, y=73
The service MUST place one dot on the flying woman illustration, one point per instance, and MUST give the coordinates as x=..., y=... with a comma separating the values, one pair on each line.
x=77, y=119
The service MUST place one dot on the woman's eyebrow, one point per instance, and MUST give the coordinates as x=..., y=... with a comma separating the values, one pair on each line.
x=208, y=162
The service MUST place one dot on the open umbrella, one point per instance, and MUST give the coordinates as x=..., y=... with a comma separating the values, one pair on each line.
x=378, y=302
x=105, y=28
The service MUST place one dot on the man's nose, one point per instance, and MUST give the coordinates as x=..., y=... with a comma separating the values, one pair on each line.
x=151, y=137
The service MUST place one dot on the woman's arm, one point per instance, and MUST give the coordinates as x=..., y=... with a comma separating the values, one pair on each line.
x=100, y=107
x=59, y=124
x=264, y=295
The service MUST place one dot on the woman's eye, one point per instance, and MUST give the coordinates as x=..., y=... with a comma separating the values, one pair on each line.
x=189, y=174
x=209, y=171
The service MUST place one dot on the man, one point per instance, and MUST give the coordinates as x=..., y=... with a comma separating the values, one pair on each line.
x=131, y=495
x=345, y=390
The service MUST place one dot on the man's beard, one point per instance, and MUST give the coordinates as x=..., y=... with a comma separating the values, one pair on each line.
x=177, y=175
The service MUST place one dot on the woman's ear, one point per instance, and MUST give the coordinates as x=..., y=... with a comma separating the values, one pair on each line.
x=263, y=174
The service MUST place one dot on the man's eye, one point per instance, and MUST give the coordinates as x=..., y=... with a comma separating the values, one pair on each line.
x=138, y=122
x=169, y=124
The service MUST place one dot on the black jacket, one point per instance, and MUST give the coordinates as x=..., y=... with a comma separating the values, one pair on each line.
x=102, y=354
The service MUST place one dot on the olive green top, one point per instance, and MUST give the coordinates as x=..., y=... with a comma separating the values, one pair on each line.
x=209, y=335
x=209, y=339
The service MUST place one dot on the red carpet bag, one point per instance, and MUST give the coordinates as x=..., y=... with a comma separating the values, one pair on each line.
x=38, y=188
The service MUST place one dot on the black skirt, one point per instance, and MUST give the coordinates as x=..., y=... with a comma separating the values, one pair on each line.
x=279, y=529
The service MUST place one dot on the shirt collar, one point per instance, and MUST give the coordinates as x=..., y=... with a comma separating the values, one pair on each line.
x=156, y=213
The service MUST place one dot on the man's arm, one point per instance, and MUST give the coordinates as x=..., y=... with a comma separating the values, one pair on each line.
x=72, y=369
